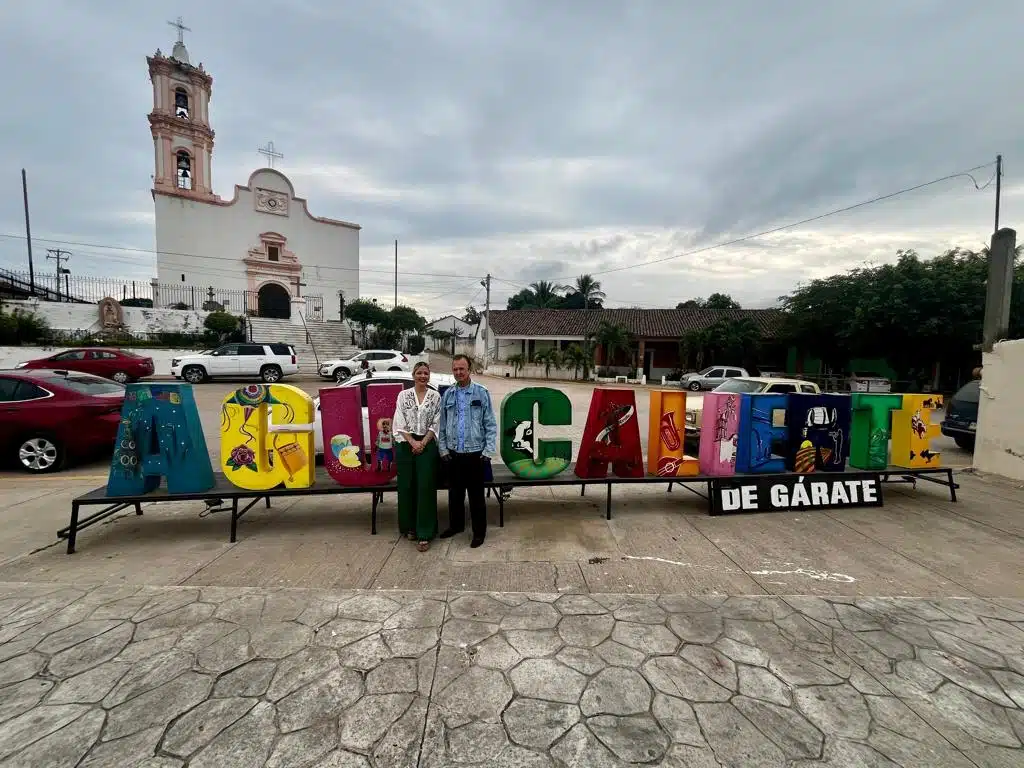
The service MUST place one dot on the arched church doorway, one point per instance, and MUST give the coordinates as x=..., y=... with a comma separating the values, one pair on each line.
x=274, y=301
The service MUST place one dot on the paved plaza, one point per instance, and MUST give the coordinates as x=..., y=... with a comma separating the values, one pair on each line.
x=162, y=677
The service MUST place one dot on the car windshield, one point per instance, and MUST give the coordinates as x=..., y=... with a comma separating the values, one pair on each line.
x=969, y=392
x=91, y=385
x=706, y=371
x=740, y=385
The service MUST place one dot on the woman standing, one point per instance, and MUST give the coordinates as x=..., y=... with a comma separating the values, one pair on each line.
x=416, y=424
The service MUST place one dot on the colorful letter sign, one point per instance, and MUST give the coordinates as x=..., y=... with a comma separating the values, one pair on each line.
x=819, y=432
x=912, y=432
x=160, y=436
x=266, y=437
x=666, y=454
x=353, y=457
x=521, y=412
x=719, y=434
x=869, y=427
x=762, y=434
x=611, y=436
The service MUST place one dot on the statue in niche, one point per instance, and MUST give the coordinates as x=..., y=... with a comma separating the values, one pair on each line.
x=111, y=314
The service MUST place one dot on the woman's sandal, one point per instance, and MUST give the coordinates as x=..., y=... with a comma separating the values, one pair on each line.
x=411, y=536
x=423, y=546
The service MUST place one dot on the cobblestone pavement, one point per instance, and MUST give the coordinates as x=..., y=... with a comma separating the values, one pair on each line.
x=168, y=676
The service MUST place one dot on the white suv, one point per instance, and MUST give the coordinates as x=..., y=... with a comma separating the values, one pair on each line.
x=371, y=359
x=271, y=362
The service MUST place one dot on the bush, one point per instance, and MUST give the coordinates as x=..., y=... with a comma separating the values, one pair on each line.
x=22, y=328
x=385, y=338
x=221, y=323
x=144, y=303
x=416, y=344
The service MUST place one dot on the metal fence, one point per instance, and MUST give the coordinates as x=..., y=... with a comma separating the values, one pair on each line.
x=89, y=289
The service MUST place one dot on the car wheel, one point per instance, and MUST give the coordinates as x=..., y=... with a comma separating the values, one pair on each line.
x=395, y=368
x=270, y=374
x=40, y=453
x=194, y=374
x=340, y=374
x=966, y=443
x=120, y=377
x=693, y=386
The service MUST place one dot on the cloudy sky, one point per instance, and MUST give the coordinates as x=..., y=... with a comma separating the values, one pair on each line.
x=536, y=139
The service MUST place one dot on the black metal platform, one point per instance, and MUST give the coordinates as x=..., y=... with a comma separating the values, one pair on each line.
x=500, y=487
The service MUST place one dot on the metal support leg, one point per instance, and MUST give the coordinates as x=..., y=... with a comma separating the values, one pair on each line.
x=501, y=509
x=669, y=488
x=711, y=500
x=952, y=485
x=373, y=515
x=608, y=508
x=234, y=520
x=138, y=508
x=73, y=528
x=267, y=498
x=583, y=489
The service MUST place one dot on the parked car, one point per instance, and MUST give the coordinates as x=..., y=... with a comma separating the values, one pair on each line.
x=749, y=385
x=710, y=377
x=115, y=364
x=271, y=362
x=868, y=382
x=47, y=416
x=961, y=422
x=370, y=359
x=438, y=381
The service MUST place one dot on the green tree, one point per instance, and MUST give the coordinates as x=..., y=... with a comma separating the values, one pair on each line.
x=365, y=313
x=517, y=361
x=728, y=341
x=613, y=338
x=520, y=300
x=221, y=324
x=549, y=358
x=579, y=357
x=590, y=291
x=545, y=295
x=471, y=316
x=714, y=301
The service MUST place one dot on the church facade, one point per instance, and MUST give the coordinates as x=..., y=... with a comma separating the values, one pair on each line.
x=262, y=251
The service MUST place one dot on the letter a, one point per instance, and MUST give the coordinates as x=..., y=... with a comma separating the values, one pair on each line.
x=611, y=436
x=160, y=436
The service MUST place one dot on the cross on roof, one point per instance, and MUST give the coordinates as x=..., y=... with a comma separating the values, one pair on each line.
x=179, y=24
x=270, y=153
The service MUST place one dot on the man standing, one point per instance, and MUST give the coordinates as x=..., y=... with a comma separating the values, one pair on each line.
x=468, y=439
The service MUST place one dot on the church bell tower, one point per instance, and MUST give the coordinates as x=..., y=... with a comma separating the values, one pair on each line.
x=180, y=122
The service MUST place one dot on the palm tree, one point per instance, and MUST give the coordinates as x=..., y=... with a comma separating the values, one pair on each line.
x=590, y=289
x=613, y=338
x=545, y=295
x=577, y=357
x=517, y=361
x=549, y=358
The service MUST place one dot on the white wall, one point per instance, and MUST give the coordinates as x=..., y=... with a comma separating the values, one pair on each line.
x=999, y=446
x=461, y=328
x=206, y=242
x=11, y=356
x=86, y=317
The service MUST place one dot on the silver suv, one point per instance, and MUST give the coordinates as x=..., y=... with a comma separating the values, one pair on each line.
x=270, y=362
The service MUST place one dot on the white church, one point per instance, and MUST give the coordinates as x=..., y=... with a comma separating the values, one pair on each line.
x=262, y=251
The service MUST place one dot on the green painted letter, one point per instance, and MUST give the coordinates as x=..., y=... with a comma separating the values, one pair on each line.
x=869, y=438
x=522, y=452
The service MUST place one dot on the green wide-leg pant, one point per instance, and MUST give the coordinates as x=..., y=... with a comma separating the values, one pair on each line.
x=417, y=491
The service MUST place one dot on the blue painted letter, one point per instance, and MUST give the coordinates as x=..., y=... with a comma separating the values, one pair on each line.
x=762, y=439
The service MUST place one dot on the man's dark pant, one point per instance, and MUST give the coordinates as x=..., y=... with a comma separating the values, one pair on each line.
x=466, y=475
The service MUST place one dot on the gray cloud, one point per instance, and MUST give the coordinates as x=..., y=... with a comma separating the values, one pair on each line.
x=537, y=140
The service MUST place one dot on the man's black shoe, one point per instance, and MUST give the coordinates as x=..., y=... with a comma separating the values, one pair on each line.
x=476, y=542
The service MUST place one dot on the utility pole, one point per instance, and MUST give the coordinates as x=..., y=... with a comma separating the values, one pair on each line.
x=58, y=255
x=396, y=273
x=998, y=189
x=486, y=283
x=28, y=235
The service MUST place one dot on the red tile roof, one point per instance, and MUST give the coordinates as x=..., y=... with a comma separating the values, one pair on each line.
x=642, y=323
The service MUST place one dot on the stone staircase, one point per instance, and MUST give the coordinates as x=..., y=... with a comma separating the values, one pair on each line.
x=330, y=340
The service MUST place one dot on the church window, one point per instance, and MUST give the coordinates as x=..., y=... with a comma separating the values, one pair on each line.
x=184, y=170
x=181, y=103
x=273, y=254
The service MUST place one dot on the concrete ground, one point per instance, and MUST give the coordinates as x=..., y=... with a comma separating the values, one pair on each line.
x=865, y=637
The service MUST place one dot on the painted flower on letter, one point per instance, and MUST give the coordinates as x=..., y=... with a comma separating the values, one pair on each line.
x=242, y=456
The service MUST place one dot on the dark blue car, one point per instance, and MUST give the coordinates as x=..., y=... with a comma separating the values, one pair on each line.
x=961, y=421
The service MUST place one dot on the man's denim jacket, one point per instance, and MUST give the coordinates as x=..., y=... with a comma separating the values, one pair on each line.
x=481, y=423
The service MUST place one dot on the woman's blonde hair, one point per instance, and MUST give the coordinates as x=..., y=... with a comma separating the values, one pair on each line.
x=421, y=364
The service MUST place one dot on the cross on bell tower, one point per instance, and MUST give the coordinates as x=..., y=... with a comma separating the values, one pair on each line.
x=179, y=24
x=270, y=153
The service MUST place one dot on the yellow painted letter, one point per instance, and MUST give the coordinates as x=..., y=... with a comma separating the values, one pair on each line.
x=665, y=436
x=913, y=430
x=266, y=437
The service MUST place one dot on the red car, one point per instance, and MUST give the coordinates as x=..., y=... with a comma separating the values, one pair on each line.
x=47, y=416
x=115, y=364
